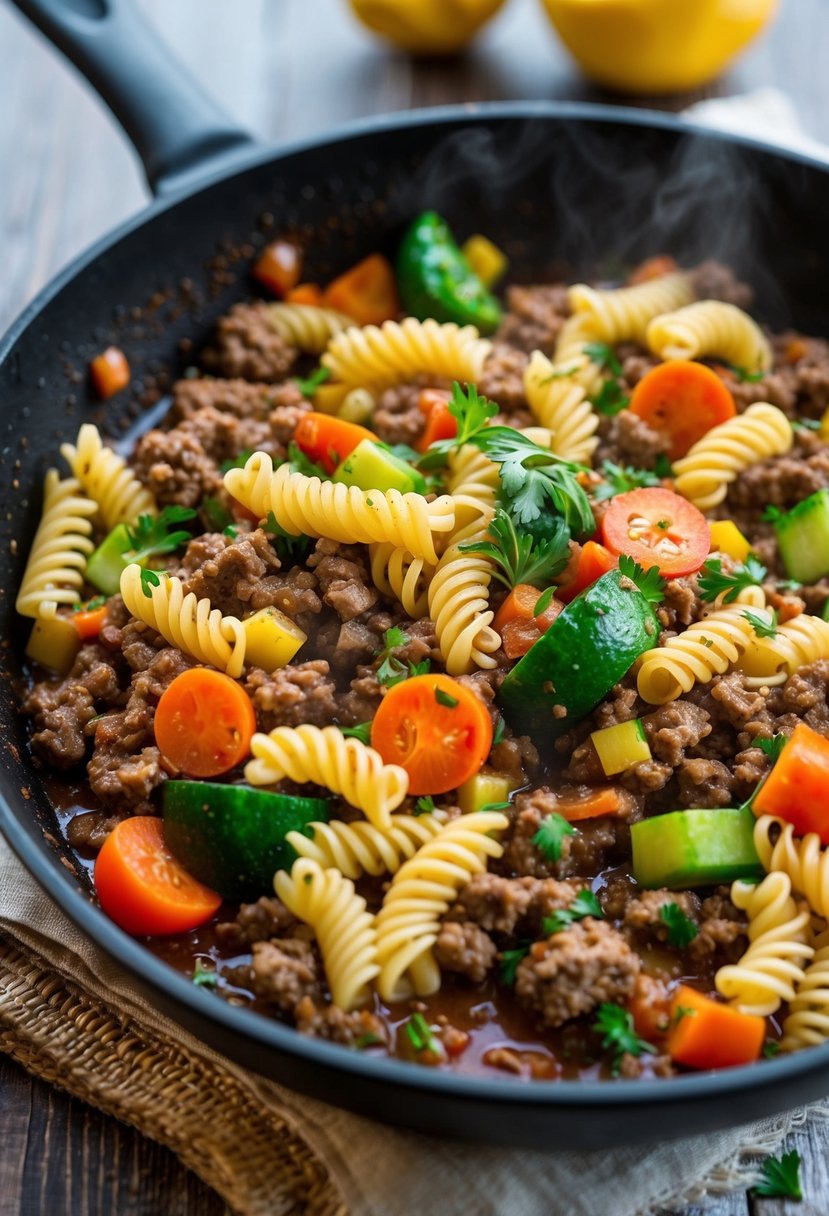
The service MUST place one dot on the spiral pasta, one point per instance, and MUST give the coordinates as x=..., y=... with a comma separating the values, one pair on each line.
x=57, y=559
x=778, y=950
x=710, y=328
x=361, y=848
x=804, y=860
x=704, y=475
x=344, y=929
x=306, y=506
x=106, y=478
x=185, y=621
x=325, y=756
x=561, y=405
x=420, y=892
x=705, y=649
x=308, y=327
x=623, y=314
x=572, y=360
x=804, y=639
x=459, y=597
x=396, y=573
x=807, y=1022
x=378, y=357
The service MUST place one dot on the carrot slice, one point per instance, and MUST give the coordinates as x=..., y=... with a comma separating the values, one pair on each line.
x=797, y=788
x=706, y=1034
x=204, y=723
x=110, y=372
x=305, y=293
x=682, y=400
x=591, y=804
x=593, y=561
x=90, y=623
x=434, y=728
x=653, y=268
x=367, y=292
x=440, y=423
x=278, y=267
x=143, y=887
x=327, y=440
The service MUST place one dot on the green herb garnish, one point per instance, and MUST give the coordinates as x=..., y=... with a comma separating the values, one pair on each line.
x=771, y=1048
x=772, y=747
x=763, y=629
x=425, y=805
x=472, y=413
x=604, y=357
x=550, y=835
x=392, y=669
x=650, y=582
x=444, y=699
x=522, y=558
x=611, y=399
x=743, y=375
x=619, y=1037
x=149, y=579
x=681, y=929
x=361, y=731
x=300, y=463
x=288, y=547
x=509, y=962
x=543, y=602
x=619, y=479
x=419, y=1034
x=216, y=513
x=238, y=462
x=498, y=733
x=309, y=385
x=97, y=601
x=534, y=478
x=585, y=904
x=151, y=535
x=745, y=574
x=780, y=1177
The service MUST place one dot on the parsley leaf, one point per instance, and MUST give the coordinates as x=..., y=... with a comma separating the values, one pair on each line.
x=472, y=414
x=309, y=385
x=498, y=733
x=763, y=629
x=744, y=375
x=550, y=835
x=151, y=536
x=534, y=478
x=300, y=463
x=611, y=399
x=604, y=356
x=543, y=602
x=288, y=547
x=238, y=462
x=419, y=1033
x=522, y=558
x=216, y=514
x=425, y=805
x=780, y=1177
x=392, y=669
x=771, y=514
x=204, y=976
x=745, y=574
x=681, y=929
x=149, y=579
x=97, y=601
x=650, y=582
x=585, y=904
x=446, y=699
x=619, y=479
x=361, y=731
x=806, y=424
x=619, y=1037
x=231, y=531
x=394, y=637
x=662, y=466
x=771, y=1048
x=495, y=806
x=510, y=960
x=773, y=746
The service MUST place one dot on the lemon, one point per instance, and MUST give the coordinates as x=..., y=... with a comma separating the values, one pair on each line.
x=426, y=27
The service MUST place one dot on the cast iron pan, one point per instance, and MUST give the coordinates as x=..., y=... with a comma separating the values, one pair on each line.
x=565, y=189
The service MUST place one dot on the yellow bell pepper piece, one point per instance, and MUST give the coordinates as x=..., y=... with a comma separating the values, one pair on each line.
x=426, y=27
x=621, y=745
x=487, y=260
x=329, y=398
x=272, y=639
x=656, y=46
x=481, y=790
x=727, y=538
x=54, y=644
x=824, y=427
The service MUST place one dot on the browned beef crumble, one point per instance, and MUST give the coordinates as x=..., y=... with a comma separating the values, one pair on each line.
x=576, y=970
x=248, y=347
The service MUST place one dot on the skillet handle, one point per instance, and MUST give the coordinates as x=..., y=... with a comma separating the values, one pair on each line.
x=177, y=130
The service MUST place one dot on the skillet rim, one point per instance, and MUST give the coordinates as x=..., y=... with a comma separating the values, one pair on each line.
x=257, y=1029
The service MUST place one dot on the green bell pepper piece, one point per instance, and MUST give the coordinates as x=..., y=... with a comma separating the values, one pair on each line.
x=435, y=279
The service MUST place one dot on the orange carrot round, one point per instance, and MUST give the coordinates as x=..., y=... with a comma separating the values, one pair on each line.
x=797, y=788
x=367, y=292
x=327, y=440
x=278, y=267
x=204, y=723
x=707, y=1034
x=682, y=400
x=110, y=372
x=142, y=886
x=590, y=803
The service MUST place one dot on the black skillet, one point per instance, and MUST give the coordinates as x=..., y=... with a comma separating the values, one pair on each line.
x=565, y=189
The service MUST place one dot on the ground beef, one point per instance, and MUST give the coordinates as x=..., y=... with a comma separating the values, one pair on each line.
x=62, y=711
x=511, y=905
x=595, y=844
x=673, y=728
x=222, y=436
x=502, y=379
x=723, y=931
x=228, y=572
x=781, y=482
x=628, y=440
x=87, y=832
x=174, y=466
x=575, y=970
x=534, y=317
x=397, y=417
x=328, y=1022
x=643, y=914
x=464, y=947
x=300, y=692
x=237, y=397
x=257, y=922
x=682, y=604
x=344, y=579
x=246, y=345
x=713, y=281
x=283, y=972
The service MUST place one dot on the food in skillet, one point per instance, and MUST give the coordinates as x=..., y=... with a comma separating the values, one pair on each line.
x=485, y=664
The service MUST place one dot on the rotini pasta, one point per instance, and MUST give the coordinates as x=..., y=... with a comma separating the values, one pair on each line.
x=459, y=598
x=57, y=558
x=106, y=478
x=778, y=950
x=185, y=621
x=807, y=1022
x=378, y=357
x=560, y=404
x=344, y=929
x=623, y=315
x=710, y=328
x=361, y=848
x=707, y=648
x=804, y=639
x=308, y=327
x=326, y=757
x=804, y=860
x=420, y=892
x=306, y=506
x=572, y=360
x=396, y=573
x=704, y=475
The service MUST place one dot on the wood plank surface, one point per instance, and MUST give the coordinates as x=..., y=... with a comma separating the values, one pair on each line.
x=285, y=69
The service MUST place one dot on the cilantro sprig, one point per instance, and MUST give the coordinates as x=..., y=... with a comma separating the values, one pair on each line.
x=300, y=463
x=472, y=413
x=585, y=904
x=714, y=582
x=549, y=838
x=650, y=582
x=534, y=479
x=152, y=535
x=763, y=628
x=681, y=929
x=149, y=579
x=521, y=558
x=611, y=397
x=780, y=1177
x=772, y=747
x=619, y=479
x=510, y=960
x=392, y=669
x=619, y=1037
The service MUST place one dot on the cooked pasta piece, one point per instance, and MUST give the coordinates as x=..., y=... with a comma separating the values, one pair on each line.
x=571, y=359
x=344, y=929
x=711, y=329
x=778, y=950
x=420, y=892
x=807, y=1022
x=326, y=757
x=459, y=596
x=107, y=478
x=396, y=573
x=471, y=474
x=308, y=327
x=361, y=848
x=802, y=640
x=704, y=475
x=57, y=558
x=623, y=315
x=377, y=357
x=803, y=859
x=560, y=404
x=185, y=621
x=306, y=506
x=705, y=649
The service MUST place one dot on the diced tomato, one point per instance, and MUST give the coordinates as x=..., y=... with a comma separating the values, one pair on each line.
x=657, y=528
x=110, y=372
x=278, y=267
x=440, y=423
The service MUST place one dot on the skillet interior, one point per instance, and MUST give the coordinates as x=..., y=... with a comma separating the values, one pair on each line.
x=574, y=190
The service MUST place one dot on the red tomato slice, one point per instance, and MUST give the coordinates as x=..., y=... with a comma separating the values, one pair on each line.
x=657, y=528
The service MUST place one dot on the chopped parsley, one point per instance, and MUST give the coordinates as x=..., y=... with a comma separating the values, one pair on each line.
x=681, y=929
x=419, y=1033
x=611, y=399
x=744, y=375
x=662, y=466
x=745, y=574
x=288, y=547
x=216, y=514
x=509, y=962
x=425, y=805
x=204, y=976
x=494, y=806
x=446, y=699
x=472, y=413
x=604, y=356
x=361, y=731
x=151, y=536
x=149, y=579
x=521, y=558
x=772, y=747
x=393, y=670
x=230, y=531
x=771, y=1048
x=780, y=1177
x=619, y=479
x=619, y=1037
x=550, y=835
x=585, y=904
x=543, y=602
x=309, y=384
x=806, y=424
x=763, y=629
x=300, y=463
x=650, y=582
x=498, y=733
x=92, y=605
x=771, y=514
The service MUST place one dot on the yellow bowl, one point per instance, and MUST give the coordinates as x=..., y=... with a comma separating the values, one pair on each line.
x=426, y=27
x=656, y=46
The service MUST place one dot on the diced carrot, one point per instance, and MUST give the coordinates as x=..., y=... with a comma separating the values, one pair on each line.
x=367, y=292
x=327, y=440
x=797, y=788
x=305, y=293
x=90, y=623
x=440, y=423
x=518, y=606
x=682, y=400
x=517, y=623
x=707, y=1034
x=110, y=372
x=278, y=267
x=591, y=804
x=653, y=268
x=594, y=560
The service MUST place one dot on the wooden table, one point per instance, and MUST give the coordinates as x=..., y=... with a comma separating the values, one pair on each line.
x=66, y=176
